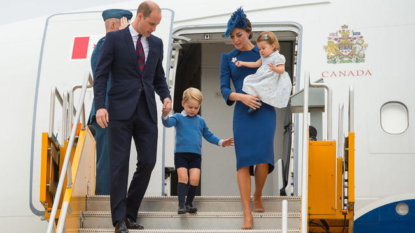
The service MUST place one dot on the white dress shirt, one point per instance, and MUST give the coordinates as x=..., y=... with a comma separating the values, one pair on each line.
x=144, y=41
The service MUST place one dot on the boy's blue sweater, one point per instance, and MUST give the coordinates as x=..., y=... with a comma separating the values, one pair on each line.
x=189, y=132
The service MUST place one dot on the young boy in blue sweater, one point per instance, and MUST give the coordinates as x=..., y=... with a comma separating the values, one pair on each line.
x=190, y=128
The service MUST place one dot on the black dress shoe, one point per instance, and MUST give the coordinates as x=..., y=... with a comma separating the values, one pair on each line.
x=191, y=209
x=182, y=210
x=133, y=225
x=121, y=227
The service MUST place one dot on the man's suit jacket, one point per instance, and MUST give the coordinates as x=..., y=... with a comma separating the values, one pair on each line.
x=118, y=57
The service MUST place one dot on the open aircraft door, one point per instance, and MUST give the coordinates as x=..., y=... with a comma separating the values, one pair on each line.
x=67, y=45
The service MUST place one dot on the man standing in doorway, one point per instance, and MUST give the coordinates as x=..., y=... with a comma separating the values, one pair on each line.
x=115, y=20
x=134, y=58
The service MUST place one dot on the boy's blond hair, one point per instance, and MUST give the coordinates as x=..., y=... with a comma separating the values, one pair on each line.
x=192, y=93
x=270, y=38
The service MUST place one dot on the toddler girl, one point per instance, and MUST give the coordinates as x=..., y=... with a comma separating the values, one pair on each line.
x=270, y=83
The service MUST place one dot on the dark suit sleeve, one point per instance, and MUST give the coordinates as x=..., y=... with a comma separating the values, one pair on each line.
x=102, y=71
x=94, y=57
x=160, y=84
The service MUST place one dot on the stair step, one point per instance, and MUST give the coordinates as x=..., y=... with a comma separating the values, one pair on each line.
x=203, y=203
x=200, y=220
x=108, y=230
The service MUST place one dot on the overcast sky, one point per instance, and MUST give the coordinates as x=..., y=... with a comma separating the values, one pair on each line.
x=17, y=10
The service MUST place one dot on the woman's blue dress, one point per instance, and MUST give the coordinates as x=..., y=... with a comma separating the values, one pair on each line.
x=253, y=133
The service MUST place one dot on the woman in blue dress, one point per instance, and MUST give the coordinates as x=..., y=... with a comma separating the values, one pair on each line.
x=253, y=133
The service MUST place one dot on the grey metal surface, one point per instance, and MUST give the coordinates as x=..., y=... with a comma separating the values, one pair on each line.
x=316, y=120
x=201, y=220
x=316, y=100
x=329, y=106
x=71, y=108
x=204, y=203
x=54, y=94
x=97, y=230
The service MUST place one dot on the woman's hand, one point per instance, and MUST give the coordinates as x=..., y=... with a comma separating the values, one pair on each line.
x=250, y=101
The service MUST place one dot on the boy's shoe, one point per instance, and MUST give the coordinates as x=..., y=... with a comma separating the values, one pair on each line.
x=182, y=210
x=191, y=209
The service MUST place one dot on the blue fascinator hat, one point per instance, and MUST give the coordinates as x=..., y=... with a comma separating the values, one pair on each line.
x=238, y=20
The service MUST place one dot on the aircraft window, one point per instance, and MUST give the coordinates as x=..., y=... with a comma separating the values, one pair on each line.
x=402, y=209
x=394, y=117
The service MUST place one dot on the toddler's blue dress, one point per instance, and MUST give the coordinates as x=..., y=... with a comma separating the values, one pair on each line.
x=253, y=133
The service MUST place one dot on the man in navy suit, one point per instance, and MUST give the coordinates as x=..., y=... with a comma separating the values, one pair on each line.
x=134, y=58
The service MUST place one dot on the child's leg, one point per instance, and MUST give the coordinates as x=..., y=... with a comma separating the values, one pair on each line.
x=182, y=185
x=194, y=182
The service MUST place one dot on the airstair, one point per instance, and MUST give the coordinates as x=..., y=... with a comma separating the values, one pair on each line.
x=326, y=184
x=215, y=214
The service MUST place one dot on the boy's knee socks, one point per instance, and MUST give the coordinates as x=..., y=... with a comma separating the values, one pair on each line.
x=181, y=193
x=191, y=192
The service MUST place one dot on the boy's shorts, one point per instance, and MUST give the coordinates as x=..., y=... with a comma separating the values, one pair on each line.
x=187, y=160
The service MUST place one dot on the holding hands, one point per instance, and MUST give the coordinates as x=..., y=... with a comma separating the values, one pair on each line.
x=166, y=107
x=227, y=142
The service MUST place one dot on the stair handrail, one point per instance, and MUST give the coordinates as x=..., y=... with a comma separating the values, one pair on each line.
x=329, y=104
x=67, y=157
x=54, y=95
x=284, y=219
x=304, y=179
x=345, y=163
x=65, y=208
x=340, y=150
x=71, y=102
x=351, y=109
x=329, y=109
x=340, y=136
x=65, y=108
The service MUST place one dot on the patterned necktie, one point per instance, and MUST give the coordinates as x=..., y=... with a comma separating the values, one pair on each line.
x=140, y=55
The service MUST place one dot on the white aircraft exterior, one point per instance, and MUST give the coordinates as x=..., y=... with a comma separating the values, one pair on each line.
x=377, y=61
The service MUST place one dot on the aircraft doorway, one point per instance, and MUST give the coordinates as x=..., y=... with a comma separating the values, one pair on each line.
x=199, y=67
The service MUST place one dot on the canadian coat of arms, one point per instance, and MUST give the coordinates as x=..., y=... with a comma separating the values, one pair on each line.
x=343, y=47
